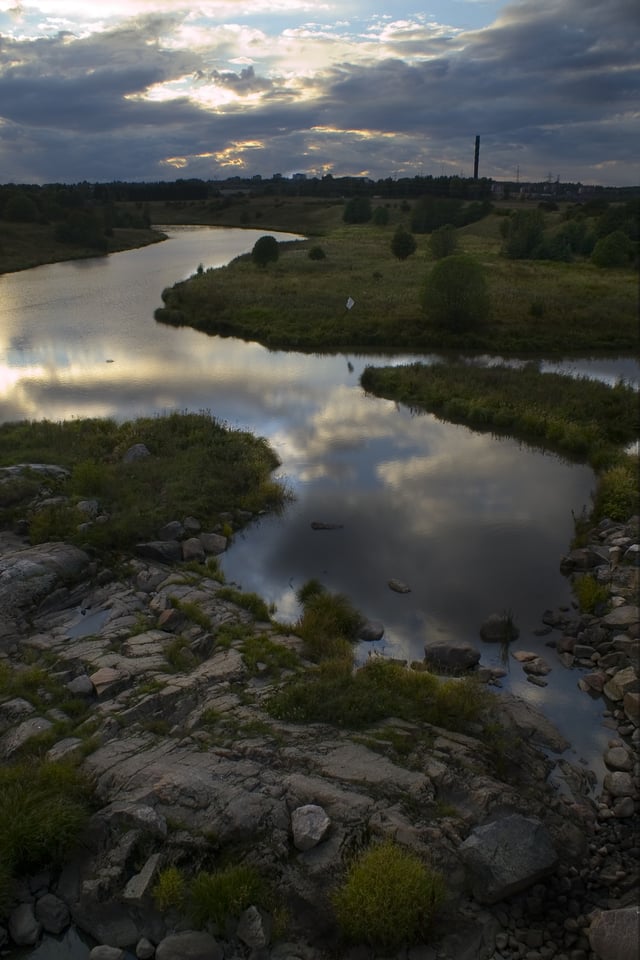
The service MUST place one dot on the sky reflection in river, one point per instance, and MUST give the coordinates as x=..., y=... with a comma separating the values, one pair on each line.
x=474, y=524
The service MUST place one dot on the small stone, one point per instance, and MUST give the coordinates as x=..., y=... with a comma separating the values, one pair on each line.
x=623, y=807
x=398, y=586
x=144, y=949
x=618, y=784
x=617, y=758
x=309, y=825
x=105, y=952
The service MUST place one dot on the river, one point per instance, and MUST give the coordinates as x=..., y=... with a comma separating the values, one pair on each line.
x=474, y=524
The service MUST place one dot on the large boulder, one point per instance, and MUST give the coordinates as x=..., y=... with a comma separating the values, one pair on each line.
x=507, y=856
x=452, y=656
x=32, y=575
x=615, y=934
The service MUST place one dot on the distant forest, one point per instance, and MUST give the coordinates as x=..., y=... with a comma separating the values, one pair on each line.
x=86, y=213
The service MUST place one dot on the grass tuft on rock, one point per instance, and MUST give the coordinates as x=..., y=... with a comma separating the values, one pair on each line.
x=388, y=898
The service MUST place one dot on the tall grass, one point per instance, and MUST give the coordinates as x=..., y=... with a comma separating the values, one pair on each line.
x=43, y=809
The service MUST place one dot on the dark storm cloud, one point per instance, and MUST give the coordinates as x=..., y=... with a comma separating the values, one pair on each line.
x=550, y=84
x=244, y=82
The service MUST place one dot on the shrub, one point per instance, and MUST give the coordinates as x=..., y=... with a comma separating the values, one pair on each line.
x=403, y=244
x=614, y=250
x=617, y=495
x=443, y=242
x=317, y=253
x=216, y=897
x=456, y=296
x=388, y=898
x=265, y=250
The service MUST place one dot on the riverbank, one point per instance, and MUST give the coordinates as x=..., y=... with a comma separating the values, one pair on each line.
x=156, y=680
x=27, y=245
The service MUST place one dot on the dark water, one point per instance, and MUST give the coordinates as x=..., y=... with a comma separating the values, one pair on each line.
x=474, y=524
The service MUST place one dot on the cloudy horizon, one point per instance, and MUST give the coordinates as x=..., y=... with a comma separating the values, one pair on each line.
x=137, y=90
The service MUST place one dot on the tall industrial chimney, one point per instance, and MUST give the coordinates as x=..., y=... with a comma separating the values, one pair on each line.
x=476, y=158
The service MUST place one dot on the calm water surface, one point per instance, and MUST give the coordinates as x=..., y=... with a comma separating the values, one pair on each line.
x=472, y=523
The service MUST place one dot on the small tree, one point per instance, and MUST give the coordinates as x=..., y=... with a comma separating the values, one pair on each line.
x=381, y=216
x=455, y=295
x=265, y=250
x=403, y=244
x=357, y=210
x=443, y=242
x=522, y=233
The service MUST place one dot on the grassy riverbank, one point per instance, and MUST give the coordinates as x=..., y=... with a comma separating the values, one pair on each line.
x=581, y=418
x=196, y=467
x=299, y=302
x=26, y=245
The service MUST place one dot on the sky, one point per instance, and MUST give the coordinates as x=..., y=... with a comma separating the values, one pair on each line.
x=154, y=90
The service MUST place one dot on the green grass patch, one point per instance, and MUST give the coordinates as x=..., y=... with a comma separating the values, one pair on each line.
x=196, y=466
x=335, y=694
x=249, y=601
x=274, y=657
x=223, y=895
x=388, y=898
x=192, y=612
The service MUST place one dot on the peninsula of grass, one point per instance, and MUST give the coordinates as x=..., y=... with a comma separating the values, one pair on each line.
x=26, y=245
x=300, y=301
x=196, y=466
x=584, y=419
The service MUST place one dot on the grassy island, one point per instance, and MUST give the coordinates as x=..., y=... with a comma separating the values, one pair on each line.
x=299, y=302
x=195, y=466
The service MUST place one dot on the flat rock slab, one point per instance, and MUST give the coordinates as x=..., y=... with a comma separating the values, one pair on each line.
x=353, y=762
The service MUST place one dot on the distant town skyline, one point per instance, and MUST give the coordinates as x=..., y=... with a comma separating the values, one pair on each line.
x=137, y=90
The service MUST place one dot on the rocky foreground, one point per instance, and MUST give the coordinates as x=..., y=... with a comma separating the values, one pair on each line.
x=190, y=766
